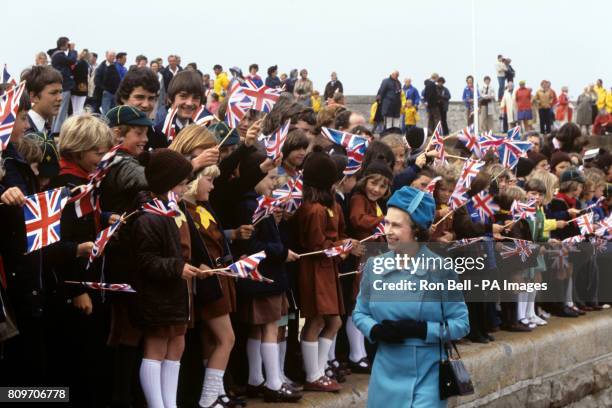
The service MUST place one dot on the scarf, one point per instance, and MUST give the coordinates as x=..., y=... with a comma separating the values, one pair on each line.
x=68, y=167
x=571, y=202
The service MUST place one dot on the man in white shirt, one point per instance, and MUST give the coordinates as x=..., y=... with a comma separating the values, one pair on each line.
x=500, y=69
x=486, y=102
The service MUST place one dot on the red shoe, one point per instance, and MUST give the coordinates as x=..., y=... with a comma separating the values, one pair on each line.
x=322, y=384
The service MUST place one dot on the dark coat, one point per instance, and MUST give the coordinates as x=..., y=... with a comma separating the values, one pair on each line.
x=63, y=62
x=81, y=78
x=26, y=281
x=557, y=209
x=161, y=293
x=111, y=79
x=331, y=88
x=390, y=97
x=273, y=82
x=167, y=76
x=267, y=238
x=430, y=94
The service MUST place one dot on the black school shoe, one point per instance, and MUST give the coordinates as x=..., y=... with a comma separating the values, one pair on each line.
x=255, y=391
x=362, y=366
x=283, y=394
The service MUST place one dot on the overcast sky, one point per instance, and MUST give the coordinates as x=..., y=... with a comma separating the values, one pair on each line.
x=363, y=40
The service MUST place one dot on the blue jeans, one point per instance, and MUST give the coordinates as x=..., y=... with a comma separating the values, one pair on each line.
x=62, y=114
x=502, y=85
x=108, y=102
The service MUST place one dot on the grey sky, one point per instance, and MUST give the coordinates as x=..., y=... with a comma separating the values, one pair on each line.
x=561, y=40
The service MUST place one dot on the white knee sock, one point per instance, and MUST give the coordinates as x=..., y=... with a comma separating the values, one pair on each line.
x=521, y=305
x=254, y=356
x=324, y=346
x=269, y=353
x=310, y=351
x=569, y=294
x=331, y=356
x=282, y=352
x=213, y=384
x=531, y=305
x=356, y=341
x=169, y=382
x=150, y=380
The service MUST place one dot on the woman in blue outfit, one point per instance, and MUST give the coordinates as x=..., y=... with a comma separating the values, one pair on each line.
x=407, y=324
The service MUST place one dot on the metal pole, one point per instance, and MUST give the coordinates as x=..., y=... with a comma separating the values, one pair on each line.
x=474, y=73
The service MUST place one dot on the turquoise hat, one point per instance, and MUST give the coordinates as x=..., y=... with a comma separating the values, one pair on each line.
x=419, y=204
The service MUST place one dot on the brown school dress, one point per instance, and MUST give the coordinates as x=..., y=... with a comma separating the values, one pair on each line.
x=364, y=215
x=319, y=227
x=263, y=309
x=213, y=240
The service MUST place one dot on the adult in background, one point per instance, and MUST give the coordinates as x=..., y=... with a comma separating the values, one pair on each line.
x=432, y=101
x=253, y=74
x=508, y=107
x=41, y=59
x=171, y=70
x=584, y=117
x=544, y=99
x=289, y=83
x=272, y=80
x=411, y=92
x=110, y=83
x=468, y=99
x=408, y=330
x=444, y=97
x=303, y=89
x=99, y=79
x=522, y=97
x=63, y=58
x=81, y=82
x=510, y=73
x=91, y=82
x=332, y=87
x=486, y=105
x=501, y=68
x=389, y=98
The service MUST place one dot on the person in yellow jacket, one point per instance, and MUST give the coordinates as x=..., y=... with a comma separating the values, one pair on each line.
x=315, y=100
x=609, y=101
x=601, y=95
x=221, y=82
x=411, y=115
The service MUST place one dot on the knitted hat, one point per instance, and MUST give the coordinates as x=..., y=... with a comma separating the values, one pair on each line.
x=571, y=174
x=524, y=167
x=319, y=170
x=127, y=115
x=415, y=137
x=558, y=157
x=418, y=204
x=535, y=157
x=165, y=169
x=378, y=167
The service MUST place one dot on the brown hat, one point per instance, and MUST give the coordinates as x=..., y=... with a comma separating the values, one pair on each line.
x=558, y=157
x=165, y=169
x=319, y=170
x=535, y=157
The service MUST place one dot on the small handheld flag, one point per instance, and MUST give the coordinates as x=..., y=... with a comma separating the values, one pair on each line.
x=42, y=213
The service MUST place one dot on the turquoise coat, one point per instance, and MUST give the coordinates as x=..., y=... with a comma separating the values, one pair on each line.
x=406, y=375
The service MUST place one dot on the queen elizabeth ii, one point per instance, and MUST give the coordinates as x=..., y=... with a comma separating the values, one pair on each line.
x=407, y=325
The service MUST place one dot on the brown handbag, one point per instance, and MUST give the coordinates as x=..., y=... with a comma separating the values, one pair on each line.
x=454, y=377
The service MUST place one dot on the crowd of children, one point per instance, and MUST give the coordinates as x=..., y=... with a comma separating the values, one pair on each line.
x=182, y=336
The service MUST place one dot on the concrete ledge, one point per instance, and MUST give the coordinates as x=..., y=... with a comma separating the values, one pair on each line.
x=566, y=363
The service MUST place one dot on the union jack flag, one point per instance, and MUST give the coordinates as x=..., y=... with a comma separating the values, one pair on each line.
x=274, y=143
x=101, y=240
x=470, y=170
x=483, y=203
x=202, y=116
x=432, y=184
x=169, y=128
x=110, y=287
x=521, y=248
x=464, y=242
x=246, y=268
x=379, y=231
x=42, y=213
x=488, y=141
x=290, y=194
x=560, y=261
x=585, y=223
x=511, y=150
x=262, y=97
x=573, y=240
x=355, y=158
x=265, y=207
x=9, y=105
x=522, y=211
x=437, y=142
x=7, y=78
x=345, y=139
x=604, y=226
x=339, y=249
x=458, y=198
x=159, y=207
x=469, y=138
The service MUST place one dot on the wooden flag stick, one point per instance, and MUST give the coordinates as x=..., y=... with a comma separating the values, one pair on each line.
x=372, y=236
x=349, y=273
x=452, y=156
x=311, y=253
x=224, y=139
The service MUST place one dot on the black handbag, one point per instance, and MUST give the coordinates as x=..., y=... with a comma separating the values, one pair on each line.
x=454, y=377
